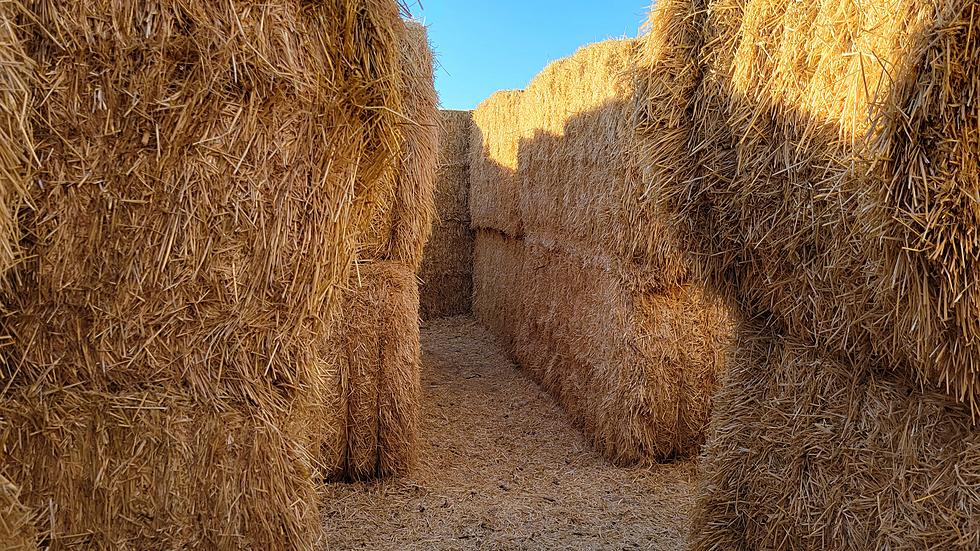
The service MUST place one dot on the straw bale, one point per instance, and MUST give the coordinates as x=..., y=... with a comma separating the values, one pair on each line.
x=375, y=346
x=204, y=177
x=575, y=179
x=454, y=137
x=156, y=469
x=789, y=193
x=378, y=358
x=446, y=295
x=413, y=210
x=815, y=450
x=447, y=271
x=495, y=188
x=498, y=284
x=193, y=208
x=635, y=370
x=15, y=131
x=927, y=201
x=452, y=194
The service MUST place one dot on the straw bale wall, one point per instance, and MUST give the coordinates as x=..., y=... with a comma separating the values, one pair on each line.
x=787, y=143
x=202, y=183
x=495, y=189
x=798, y=180
x=812, y=450
x=611, y=329
x=378, y=357
x=447, y=269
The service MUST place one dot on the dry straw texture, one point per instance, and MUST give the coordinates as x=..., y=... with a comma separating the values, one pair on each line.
x=813, y=451
x=495, y=189
x=16, y=78
x=636, y=371
x=794, y=166
x=447, y=269
x=805, y=185
x=380, y=369
x=155, y=470
x=498, y=284
x=204, y=174
x=610, y=328
x=375, y=347
x=16, y=527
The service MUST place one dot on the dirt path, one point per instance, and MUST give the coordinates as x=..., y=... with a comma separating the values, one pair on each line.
x=502, y=468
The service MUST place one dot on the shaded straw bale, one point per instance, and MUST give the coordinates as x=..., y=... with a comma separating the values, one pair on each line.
x=375, y=347
x=927, y=201
x=498, y=284
x=814, y=450
x=839, y=425
x=379, y=363
x=801, y=194
x=447, y=269
x=413, y=211
x=454, y=137
x=495, y=188
x=636, y=371
x=155, y=469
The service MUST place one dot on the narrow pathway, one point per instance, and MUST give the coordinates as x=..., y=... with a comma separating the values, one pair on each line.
x=502, y=468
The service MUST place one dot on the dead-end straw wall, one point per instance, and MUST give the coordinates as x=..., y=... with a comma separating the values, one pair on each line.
x=447, y=269
x=611, y=329
x=375, y=344
x=794, y=169
x=202, y=180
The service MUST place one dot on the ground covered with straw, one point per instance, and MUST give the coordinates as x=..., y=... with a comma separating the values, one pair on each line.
x=502, y=467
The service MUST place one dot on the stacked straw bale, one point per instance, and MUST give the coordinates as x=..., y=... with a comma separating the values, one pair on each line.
x=812, y=451
x=447, y=269
x=819, y=161
x=800, y=190
x=376, y=348
x=202, y=180
x=608, y=327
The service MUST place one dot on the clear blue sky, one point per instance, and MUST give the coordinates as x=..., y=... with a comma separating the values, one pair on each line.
x=482, y=46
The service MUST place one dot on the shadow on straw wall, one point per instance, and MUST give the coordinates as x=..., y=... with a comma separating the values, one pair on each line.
x=592, y=295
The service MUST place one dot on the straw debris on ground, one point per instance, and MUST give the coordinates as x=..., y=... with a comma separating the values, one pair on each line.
x=502, y=468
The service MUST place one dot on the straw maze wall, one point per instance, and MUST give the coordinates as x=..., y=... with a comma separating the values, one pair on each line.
x=446, y=275
x=787, y=143
x=200, y=203
x=626, y=345
x=830, y=202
